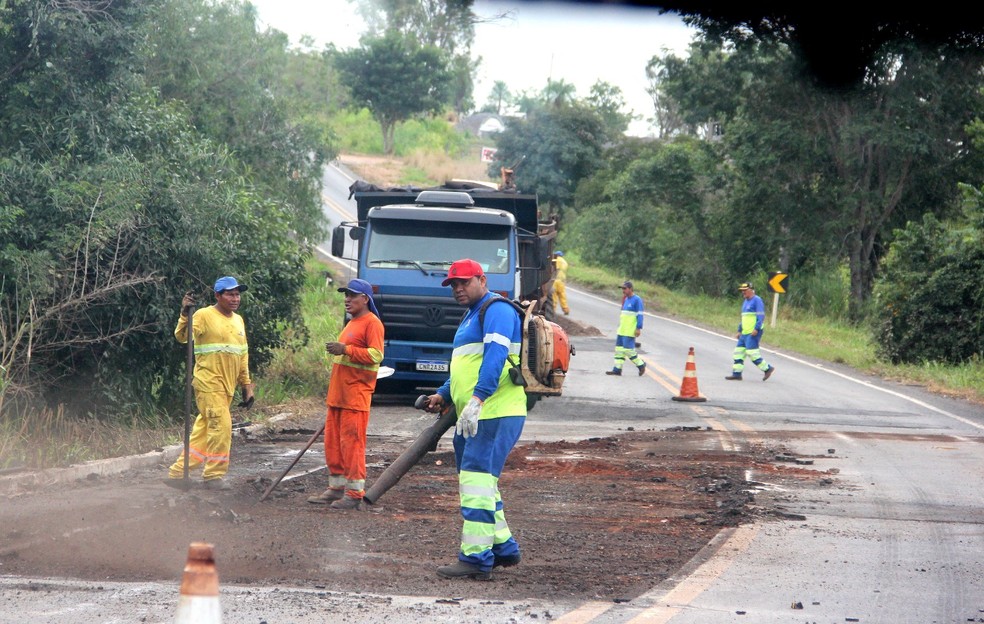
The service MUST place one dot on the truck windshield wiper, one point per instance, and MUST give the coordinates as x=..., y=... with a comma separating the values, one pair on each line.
x=403, y=263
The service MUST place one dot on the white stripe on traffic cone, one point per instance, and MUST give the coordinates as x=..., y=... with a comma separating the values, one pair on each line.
x=199, y=603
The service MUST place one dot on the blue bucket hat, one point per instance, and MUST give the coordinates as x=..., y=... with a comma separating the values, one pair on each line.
x=228, y=283
x=558, y=253
x=361, y=287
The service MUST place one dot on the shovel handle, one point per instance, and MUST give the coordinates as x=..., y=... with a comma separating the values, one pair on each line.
x=293, y=463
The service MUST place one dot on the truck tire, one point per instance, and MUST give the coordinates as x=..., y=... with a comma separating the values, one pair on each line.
x=547, y=308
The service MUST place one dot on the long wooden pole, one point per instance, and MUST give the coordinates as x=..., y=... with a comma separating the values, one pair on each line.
x=189, y=392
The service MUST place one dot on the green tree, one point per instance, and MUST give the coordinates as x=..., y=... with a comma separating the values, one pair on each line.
x=666, y=118
x=842, y=168
x=395, y=78
x=498, y=96
x=559, y=147
x=558, y=93
x=648, y=210
x=112, y=204
x=607, y=99
x=528, y=101
x=463, y=86
x=231, y=80
x=931, y=298
x=448, y=25
x=445, y=24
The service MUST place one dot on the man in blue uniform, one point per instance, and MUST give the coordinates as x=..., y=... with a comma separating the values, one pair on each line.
x=491, y=413
x=629, y=328
x=749, y=334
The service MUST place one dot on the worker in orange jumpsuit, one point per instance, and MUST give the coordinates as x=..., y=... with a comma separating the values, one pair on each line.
x=221, y=362
x=355, y=362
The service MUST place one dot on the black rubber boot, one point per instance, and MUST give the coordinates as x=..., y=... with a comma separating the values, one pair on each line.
x=460, y=569
x=507, y=562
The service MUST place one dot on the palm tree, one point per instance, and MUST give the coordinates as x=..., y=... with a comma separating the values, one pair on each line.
x=500, y=93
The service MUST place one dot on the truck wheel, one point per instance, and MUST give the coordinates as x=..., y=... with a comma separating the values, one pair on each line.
x=531, y=401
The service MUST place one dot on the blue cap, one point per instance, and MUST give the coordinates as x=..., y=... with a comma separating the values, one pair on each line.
x=361, y=287
x=228, y=283
x=558, y=253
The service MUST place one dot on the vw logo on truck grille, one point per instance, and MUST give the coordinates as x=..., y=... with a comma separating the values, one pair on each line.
x=433, y=316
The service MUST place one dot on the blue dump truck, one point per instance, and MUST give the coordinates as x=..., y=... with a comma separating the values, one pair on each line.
x=406, y=239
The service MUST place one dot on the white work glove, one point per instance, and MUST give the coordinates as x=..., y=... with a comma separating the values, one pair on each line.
x=468, y=419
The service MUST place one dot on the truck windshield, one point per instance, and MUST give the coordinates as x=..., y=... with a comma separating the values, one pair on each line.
x=430, y=245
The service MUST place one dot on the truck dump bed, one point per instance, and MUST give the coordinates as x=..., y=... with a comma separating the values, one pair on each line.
x=523, y=207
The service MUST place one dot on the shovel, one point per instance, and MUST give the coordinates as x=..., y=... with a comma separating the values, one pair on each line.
x=384, y=371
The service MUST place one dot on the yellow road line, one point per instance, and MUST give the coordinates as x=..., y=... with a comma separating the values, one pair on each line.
x=342, y=212
x=585, y=613
x=687, y=590
x=673, y=383
x=650, y=365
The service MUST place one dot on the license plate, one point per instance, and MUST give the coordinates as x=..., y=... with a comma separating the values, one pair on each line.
x=437, y=367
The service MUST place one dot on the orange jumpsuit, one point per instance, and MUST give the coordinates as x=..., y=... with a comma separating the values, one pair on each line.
x=353, y=380
x=221, y=362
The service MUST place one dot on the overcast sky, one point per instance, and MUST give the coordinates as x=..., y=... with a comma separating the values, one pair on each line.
x=562, y=41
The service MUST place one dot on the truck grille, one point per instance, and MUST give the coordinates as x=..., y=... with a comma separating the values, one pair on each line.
x=411, y=317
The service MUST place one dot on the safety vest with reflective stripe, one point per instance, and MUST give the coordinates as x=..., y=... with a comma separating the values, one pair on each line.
x=631, y=317
x=353, y=374
x=752, y=315
x=478, y=361
x=221, y=350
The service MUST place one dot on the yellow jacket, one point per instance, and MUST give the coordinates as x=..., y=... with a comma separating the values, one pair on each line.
x=561, y=269
x=221, y=351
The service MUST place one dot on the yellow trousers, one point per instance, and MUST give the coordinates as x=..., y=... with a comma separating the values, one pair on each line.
x=560, y=297
x=211, y=438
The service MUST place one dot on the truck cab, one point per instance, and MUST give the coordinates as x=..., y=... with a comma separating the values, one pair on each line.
x=406, y=239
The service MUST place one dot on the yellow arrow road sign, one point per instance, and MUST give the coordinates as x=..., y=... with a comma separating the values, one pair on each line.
x=778, y=282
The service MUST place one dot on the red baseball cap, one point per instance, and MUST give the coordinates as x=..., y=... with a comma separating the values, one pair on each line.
x=463, y=269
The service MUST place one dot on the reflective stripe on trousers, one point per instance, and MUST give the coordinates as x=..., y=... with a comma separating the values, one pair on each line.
x=345, y=449
x=485, y=534
x=211, y=437
x=748, y=346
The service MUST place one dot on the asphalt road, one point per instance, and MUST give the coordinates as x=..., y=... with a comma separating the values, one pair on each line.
x=901, y=542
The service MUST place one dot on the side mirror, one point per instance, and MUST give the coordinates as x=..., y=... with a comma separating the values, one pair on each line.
x=357, y=233
x=338, y=241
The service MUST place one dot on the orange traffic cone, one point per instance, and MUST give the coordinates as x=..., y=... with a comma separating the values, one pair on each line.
x=688, y=388
x=199, y=603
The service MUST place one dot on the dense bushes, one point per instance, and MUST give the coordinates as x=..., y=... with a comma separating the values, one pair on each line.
x=113, y=203
x=931, y=297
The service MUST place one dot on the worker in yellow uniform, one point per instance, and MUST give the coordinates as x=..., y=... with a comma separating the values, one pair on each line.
x=559, y=285
x=221, y=362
